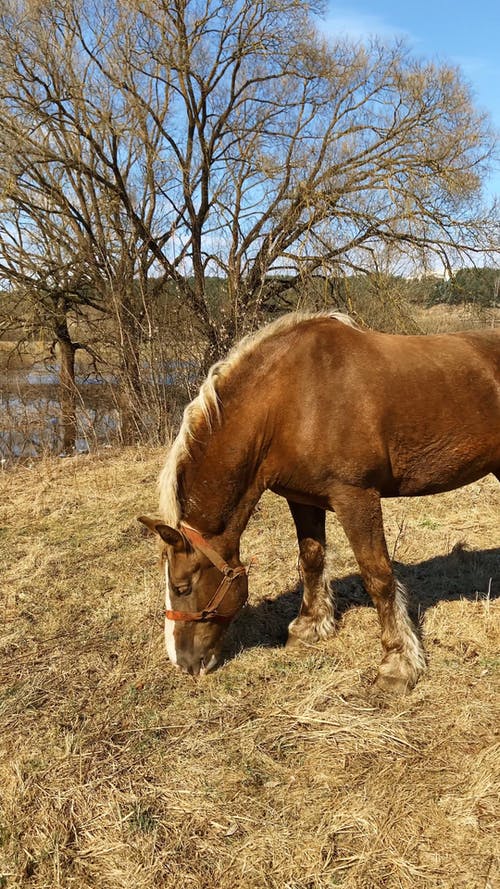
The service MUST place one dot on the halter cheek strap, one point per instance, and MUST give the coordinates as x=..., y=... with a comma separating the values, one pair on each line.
x=210, y=611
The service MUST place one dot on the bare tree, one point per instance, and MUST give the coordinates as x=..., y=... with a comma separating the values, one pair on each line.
x=47, y=287
x=291, y=155
x=72, y=160
x=182, y=139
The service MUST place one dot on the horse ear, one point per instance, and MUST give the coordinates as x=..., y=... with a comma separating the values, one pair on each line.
x=169, y=535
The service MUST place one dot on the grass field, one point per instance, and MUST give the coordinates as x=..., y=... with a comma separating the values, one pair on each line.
x=281, y=770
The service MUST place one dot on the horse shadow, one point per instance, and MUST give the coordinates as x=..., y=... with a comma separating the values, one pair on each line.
x=462, y=574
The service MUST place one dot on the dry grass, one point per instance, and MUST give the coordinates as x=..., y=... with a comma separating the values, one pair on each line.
x=280, y=770
x=442, y=318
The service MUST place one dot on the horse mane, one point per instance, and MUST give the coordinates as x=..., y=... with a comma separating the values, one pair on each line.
x=205, y=407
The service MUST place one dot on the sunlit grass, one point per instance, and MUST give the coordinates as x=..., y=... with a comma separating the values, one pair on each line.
x=279, y=770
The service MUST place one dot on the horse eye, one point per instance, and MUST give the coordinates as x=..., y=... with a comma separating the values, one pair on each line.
x=182, y=590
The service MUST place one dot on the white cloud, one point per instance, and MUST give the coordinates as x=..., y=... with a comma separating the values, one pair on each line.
x=359, y=26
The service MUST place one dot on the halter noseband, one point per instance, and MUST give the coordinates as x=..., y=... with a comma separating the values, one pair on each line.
x=210, y=611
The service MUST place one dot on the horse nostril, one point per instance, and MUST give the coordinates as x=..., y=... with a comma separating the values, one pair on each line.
x=197, y=667
x=191, y=667
x=206, y=667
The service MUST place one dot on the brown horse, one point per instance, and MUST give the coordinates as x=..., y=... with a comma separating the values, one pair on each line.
x=333, y=417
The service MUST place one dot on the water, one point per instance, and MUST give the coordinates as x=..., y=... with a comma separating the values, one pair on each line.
x=30, y=416
x=30, y=422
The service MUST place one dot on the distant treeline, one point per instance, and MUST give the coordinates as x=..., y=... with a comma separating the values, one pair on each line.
x=479, y=286
x=379, y=299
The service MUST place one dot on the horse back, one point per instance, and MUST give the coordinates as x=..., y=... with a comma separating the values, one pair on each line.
x=404, y=414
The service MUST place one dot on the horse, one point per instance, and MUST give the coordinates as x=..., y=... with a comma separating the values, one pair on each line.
x=330, y=416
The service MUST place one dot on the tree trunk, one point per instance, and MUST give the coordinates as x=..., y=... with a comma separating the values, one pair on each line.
x=67, y=388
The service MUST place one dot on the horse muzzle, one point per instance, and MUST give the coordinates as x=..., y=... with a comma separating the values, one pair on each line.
x=196, y=666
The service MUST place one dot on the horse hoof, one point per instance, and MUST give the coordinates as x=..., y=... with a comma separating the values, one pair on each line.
x=296, y=642
x=396, y=678
x=393, y=685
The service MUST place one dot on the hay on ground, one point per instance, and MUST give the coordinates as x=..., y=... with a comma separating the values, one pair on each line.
x=281, y=770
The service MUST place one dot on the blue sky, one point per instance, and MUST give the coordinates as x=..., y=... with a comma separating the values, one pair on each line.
x=467, y=35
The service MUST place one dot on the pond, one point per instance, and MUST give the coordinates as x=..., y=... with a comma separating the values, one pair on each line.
x=30, y=412
x=30, y=422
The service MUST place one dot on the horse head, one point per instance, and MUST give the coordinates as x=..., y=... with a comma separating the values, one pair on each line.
x=203, y=594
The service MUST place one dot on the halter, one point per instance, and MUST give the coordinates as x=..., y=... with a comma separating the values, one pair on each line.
x=210, y=611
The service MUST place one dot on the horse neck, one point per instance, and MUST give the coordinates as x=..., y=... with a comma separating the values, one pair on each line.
x=222, y=481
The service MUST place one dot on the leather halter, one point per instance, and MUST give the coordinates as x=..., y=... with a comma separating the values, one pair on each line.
x=210, y=611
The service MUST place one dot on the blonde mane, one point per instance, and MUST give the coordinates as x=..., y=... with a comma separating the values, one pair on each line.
x=205, y=407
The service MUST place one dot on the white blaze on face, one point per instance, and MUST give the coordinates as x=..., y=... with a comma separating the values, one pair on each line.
x=169, y=624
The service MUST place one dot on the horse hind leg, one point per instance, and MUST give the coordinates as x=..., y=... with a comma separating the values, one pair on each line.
x=316, y=618
x=360, y=514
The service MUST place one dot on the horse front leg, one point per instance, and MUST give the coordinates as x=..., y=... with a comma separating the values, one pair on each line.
x=360, y=514
x=316, y=618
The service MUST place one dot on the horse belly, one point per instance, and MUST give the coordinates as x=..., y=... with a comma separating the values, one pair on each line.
x=443, y=463
x=445, y=430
